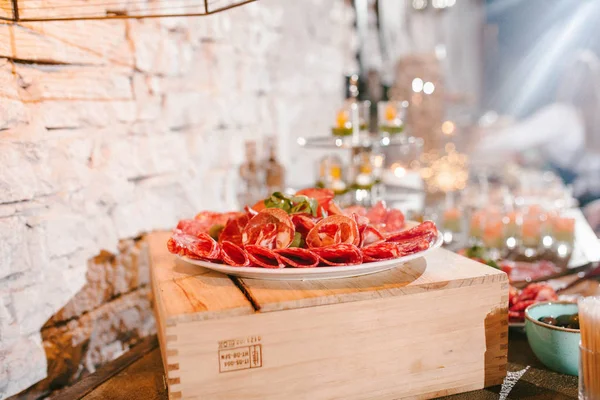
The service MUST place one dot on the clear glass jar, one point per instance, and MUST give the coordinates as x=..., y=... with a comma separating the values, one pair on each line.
x=391, y=116
x=589, y=374
x=343, y=125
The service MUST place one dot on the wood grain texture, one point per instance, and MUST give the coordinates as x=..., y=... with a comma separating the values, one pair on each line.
x=441, y=269
x=6, y=9
x=424, y=344
x=189, y=293
x=436, y=326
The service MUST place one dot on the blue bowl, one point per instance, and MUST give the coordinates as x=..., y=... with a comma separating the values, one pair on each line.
x=557, y=348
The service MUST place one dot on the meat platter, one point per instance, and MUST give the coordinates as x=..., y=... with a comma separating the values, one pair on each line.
x=300, y=237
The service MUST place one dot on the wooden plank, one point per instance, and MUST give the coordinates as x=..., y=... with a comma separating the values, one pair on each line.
x=6, y=9
x=141, y=380
x=188, y=293
x=441, y=269
x=91, y=382
x=387, y=348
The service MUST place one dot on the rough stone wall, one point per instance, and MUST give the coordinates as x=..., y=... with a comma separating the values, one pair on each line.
x=109, y=129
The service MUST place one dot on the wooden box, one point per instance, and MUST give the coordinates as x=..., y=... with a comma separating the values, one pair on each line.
x=434, y=327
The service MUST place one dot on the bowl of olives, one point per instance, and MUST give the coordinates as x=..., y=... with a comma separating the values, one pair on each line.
x=552, y=330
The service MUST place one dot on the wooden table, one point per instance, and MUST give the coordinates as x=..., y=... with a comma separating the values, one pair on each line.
x=138, y=375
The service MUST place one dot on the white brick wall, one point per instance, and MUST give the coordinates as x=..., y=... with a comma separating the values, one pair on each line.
x=121, y=127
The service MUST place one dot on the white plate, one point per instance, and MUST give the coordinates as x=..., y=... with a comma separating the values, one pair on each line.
x=296, y=274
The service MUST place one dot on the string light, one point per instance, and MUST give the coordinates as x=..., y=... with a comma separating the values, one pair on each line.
x=428, y=88
x=419, y=4
x=447, y=172
x=417, y=85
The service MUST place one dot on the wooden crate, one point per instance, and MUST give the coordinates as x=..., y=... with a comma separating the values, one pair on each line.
x=434, y=327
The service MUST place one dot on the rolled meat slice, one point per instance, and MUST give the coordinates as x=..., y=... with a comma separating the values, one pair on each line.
x=271, y=228
x=370, y=235
x=333, y=230
x=394, y=221
x=211, y=218
x=415, y=245
x=303, y=223
x=298, y=258
x=378, y=213
x=339, y=255
x=233, y=230
x=381, y=251
x=263, y=257
x=358, y=210
x=201, y=247
x=234, y=255
x=193, y=226
x=425, y=229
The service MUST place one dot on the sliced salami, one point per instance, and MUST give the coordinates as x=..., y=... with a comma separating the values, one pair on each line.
x=233, y=230
x=381, y=251
x=211, y=218
x=339, y=254
x=303, y=223
x=414, y=245
x=370, y=235
x=426, y=229
x=234, y=255
x=394, y=221
x=201, y=247
x=378, y=213
x=271, y=228
x=358, y=210
x=333, y=230
x=263, y=257
x=298, y=258
x=193, y=226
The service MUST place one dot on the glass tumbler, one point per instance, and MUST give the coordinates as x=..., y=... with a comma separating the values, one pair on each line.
x=589, y=374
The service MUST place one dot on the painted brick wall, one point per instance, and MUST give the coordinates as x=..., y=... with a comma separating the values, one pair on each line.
x=109, y=129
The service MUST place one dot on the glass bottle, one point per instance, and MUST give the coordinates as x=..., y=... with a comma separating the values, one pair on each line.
x=250, y=188
x=274, y=171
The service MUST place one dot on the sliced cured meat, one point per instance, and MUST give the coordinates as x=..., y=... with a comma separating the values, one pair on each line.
x=263, y=257
x=358, y=210
x=394, y=221
x=271, y=228
x=377, y=214
x=201, y=246
x=250, y=212
x=369, y=235
x=207, y=217
x=521, y=271
x=414, y=245
x=332, y=208
x=381, y=251
x=193, y=226
x=388, y=250
x=325, y=199
x=531, y=294
x=332, y=230
x=234, y=255
x=298, y=258
x=339, y=254
x=321, y=195
x=426, y=228
x=233, y=230
x=303, y=223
